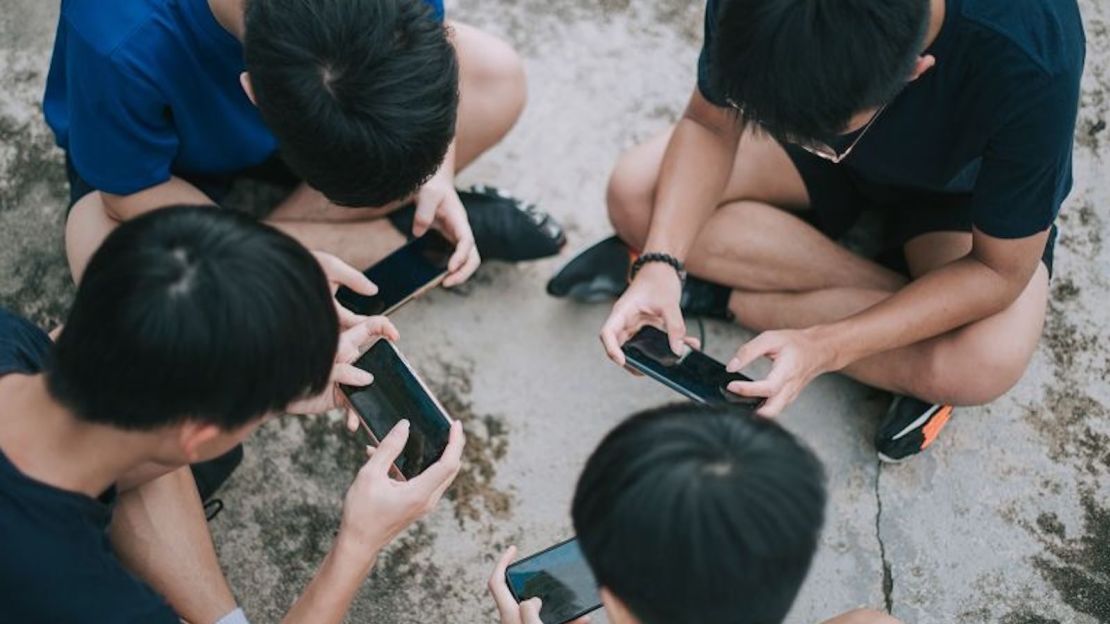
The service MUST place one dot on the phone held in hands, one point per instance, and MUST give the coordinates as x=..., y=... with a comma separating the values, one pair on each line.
x=405, y=274
x=398, y=393
x=560, y=577
x=694, y=375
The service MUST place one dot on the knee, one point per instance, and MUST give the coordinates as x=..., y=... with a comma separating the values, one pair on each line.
x=969, y=374
x=628, y=198
x=863, y=616
x=497, y=69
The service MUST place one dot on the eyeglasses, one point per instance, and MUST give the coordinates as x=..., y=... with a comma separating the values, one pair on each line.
x=823, y=150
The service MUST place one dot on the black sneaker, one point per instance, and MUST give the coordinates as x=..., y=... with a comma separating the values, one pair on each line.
x=505, y=228
x=598, y=273
x=909, y=427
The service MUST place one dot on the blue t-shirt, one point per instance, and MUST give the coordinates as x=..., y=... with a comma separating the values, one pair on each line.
x=995, y=118
x=56, y=564
x=144, y=89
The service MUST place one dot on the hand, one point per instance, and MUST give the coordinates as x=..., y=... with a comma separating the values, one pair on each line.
x=527, y=612
x=799, y=357
x=340, y=273
x=351, y=344
x=438, y=205
x=377, y=507
x=652, y=298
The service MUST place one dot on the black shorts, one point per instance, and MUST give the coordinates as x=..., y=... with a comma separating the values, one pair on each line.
x=838, y=197
x=216, y=186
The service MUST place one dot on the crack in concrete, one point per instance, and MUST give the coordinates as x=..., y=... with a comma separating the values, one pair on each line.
x=888, y=575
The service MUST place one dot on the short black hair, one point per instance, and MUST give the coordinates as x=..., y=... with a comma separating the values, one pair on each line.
x=194, y=313
x=701, y=515
x=801, y=69
x=362, y=95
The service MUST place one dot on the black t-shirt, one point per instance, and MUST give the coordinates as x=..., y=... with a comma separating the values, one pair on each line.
x=995, y=117
x=56, y=564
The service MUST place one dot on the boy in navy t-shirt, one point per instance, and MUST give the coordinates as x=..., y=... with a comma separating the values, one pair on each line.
x=178, y=347
x=352, y=104
x=954, y=118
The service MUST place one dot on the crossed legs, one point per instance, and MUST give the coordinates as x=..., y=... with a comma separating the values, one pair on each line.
x=786, y=274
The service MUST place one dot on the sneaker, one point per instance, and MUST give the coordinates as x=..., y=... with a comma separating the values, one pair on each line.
x=597, y=274
x=909, y=427
x=505, y=228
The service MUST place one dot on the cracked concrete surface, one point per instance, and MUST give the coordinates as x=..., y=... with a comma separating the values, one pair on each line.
x=1006, y=519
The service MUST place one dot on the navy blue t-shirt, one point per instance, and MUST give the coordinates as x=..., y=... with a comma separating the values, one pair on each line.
x=140, y=90
x=995, y=118
x=56, y=564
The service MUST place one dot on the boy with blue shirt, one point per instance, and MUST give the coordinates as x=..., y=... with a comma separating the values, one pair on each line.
x=362, y=107
x=954, y=118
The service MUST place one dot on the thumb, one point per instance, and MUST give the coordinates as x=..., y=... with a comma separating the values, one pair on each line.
x=426, y=206
x=530, y=611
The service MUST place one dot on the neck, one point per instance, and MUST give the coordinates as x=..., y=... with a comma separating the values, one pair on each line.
x=46, y=442
x=937, y=11
x=230, y=15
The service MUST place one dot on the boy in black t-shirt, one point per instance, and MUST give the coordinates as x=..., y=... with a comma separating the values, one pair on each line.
x=187, y=332
x=953, y=117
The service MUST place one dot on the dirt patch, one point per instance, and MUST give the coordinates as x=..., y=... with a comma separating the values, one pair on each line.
x=487, y=442
x=296, y=538
x=1079, y=568
x=1026, y=617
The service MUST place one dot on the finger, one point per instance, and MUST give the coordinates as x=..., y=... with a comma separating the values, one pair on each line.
x=774, y=405
x=763, y=388
x=754, y=349
x=352, y=421
x=347, y=318
x=380, y=326
x=530, y=611
x=676, y=329
x=470, y=263
x=343, y=274
x=389, y=449
x=437, y=477
x=585, y=619
x=693, y=343
x=506, y=604
x=352, y=340
x=426, y=207
x=609, y=337
x=349, y=375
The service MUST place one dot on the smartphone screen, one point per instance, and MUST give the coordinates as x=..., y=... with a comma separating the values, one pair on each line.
x=558, y=576
x=695, y=375
x=397, y=393
x=401, y=275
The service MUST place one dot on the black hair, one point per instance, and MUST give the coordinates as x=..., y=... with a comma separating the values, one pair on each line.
x=194, y=313
x=362, y=95
x=801, y=69
x=701, y=515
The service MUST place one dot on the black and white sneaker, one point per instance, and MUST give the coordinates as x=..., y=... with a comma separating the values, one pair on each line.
x=909, y=427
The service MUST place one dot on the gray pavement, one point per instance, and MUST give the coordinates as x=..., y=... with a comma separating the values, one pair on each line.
x=1006, y=519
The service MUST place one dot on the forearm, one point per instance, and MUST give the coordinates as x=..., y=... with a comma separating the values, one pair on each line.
x=328, y=596
x=695, y=171
x=960, y=293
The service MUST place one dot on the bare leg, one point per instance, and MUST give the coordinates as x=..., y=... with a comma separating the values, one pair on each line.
x=159, y=532
x=751, y=243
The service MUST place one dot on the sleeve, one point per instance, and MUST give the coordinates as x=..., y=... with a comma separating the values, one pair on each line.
x=705, y=58
x=1026, y=171
x=437, y=8
x=121, y=137
x=24, y=348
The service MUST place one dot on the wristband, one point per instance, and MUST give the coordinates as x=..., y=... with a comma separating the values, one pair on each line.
x=663, y=258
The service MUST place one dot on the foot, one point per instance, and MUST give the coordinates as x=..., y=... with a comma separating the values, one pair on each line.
x=909, y=427
x=597, y=274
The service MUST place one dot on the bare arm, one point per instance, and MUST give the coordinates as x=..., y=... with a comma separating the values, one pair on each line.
x=863, y=616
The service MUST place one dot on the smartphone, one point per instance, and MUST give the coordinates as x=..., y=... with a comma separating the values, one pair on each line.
x=401, y=276
x=398, y=393
x=560, y=578
x=694, y=375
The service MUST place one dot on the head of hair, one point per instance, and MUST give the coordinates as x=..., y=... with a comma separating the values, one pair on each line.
x=194, y=314
x=801, y=69
x=701, y=515
x=362, y=95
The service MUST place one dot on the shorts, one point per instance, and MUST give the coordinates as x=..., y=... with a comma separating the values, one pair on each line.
x=838, y=196
x=216, y=186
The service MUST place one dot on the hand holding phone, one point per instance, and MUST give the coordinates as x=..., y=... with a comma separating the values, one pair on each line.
x=695, y=375
x=377, y=507
x=535, y=609
x=400, y=277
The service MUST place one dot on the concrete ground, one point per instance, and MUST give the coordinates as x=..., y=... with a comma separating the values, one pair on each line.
x=1006, y=519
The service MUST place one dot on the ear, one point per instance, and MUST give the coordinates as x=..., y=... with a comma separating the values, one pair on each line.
x=923, y=64
x=616, y=610
x=245, y=80
x=194, y=437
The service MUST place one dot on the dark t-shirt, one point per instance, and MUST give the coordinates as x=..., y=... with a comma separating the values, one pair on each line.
x=56, y=564
x=995, y=117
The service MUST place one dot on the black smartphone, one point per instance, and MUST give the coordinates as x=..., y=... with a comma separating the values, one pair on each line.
x=694, y=375
x=419, y=265
x=560, y=578
x=398, y=393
